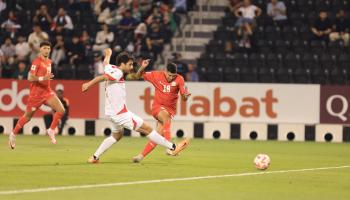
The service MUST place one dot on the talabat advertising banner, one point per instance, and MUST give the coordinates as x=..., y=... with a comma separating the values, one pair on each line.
x=14, y=95
x=334, y=107
x=268, y=103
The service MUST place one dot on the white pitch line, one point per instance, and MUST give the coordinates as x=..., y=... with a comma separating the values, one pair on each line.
x=9, y=192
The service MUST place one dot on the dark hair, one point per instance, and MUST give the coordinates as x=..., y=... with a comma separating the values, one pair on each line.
x=123, y=57
x=45, y=43
x=172, y=68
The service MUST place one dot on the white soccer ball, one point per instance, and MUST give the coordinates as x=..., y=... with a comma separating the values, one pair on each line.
x=262, y=161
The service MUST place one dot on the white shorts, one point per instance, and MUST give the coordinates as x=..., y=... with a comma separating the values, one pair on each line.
x=126, y=120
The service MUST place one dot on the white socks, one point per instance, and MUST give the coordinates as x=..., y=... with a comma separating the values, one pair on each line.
x=104, y=146
x=157, y=138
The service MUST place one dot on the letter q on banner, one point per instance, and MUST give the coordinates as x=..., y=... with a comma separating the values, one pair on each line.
x=343, y=110
x=334, y=105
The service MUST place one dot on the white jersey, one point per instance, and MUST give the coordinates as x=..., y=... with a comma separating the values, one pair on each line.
x=115, y=99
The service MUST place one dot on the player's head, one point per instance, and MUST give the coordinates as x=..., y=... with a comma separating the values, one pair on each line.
x=171, y=72
x=45, y=48
x=59, y=93
x=125, y=62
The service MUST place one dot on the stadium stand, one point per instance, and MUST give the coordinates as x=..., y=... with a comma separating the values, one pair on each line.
x=282, y=52
x=281, y=48
x=80, y=29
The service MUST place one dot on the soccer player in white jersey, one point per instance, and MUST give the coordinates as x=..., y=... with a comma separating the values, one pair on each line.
x=116, y=109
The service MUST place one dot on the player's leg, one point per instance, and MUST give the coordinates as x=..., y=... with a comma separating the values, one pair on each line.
x=154, y=136
x=117, y=134
x=163, y=127
x=149, y=146
x=54, y=102
x=26, y=117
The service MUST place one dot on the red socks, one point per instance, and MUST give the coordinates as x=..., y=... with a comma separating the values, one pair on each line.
x=151, y=145
x=56, y=118
x=20, y=123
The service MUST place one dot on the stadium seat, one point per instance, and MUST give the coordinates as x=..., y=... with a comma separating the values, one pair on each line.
x=231, y=74
x=339, y=76
x=215, y=74
x=292, y=60
x=266, y=74
x=284, y=75
x=302, y=75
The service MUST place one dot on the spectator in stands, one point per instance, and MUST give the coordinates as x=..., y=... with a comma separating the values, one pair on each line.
x=75, y=51
x=21, y=72
x=103, y=39
x=2, y=61
x=43, y=18
x=86, y=40
x=246, y=22
x=98, y=67
x=63, y=21
x=247, y=14
x=35, y=39
x=192, y=75
x=127, y=26
x=155, y=41
x=182, y=67
x=322, y=27
x=341, y=28
x=2, y=5
x=11, y=26
x=140, y=38
x=180, y=9
x=233, y=5
x=7, y=67
x=58, y=51
x=22, y=49
x=8, y=49
x=49, y=116
x=155, y=17
x=278, y=11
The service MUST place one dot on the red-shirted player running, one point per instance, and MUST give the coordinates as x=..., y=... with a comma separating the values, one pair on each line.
x=167, y=85
x=40, y=77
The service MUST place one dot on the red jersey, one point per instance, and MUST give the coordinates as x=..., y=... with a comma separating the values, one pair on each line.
x=166, y=94
x=40, y=67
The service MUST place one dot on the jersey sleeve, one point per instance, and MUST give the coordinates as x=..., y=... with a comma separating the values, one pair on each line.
x=148, y=76
x=182, y=86
x=35, y=68
x=113, y=73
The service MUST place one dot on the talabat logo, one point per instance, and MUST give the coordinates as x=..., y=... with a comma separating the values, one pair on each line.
x=222, y=106
x=13, y=97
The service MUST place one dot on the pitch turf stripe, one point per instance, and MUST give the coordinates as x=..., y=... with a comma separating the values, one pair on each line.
x=9, y=192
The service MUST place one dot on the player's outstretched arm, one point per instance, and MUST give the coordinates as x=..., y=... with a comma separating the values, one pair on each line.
x=142, y=68
x=108, y=54
x=93, y=82
x=32, y=77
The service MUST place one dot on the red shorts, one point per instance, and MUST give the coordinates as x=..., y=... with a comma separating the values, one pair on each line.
x=34, y=103
x=157, y=109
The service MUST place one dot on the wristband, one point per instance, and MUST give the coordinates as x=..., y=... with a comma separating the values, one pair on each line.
x=41, y=78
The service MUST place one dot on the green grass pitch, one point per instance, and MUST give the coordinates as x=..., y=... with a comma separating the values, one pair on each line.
x=37, y=164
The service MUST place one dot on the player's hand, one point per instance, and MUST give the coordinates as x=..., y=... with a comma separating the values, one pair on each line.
x=145, y=63
x=84, y=87
x=49, y=76
x=108, y=52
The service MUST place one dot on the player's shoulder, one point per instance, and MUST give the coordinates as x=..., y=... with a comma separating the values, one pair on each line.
x=179, y=78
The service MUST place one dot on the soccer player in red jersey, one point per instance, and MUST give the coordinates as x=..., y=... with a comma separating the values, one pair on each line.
x=40, y=93
x=167, y=85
